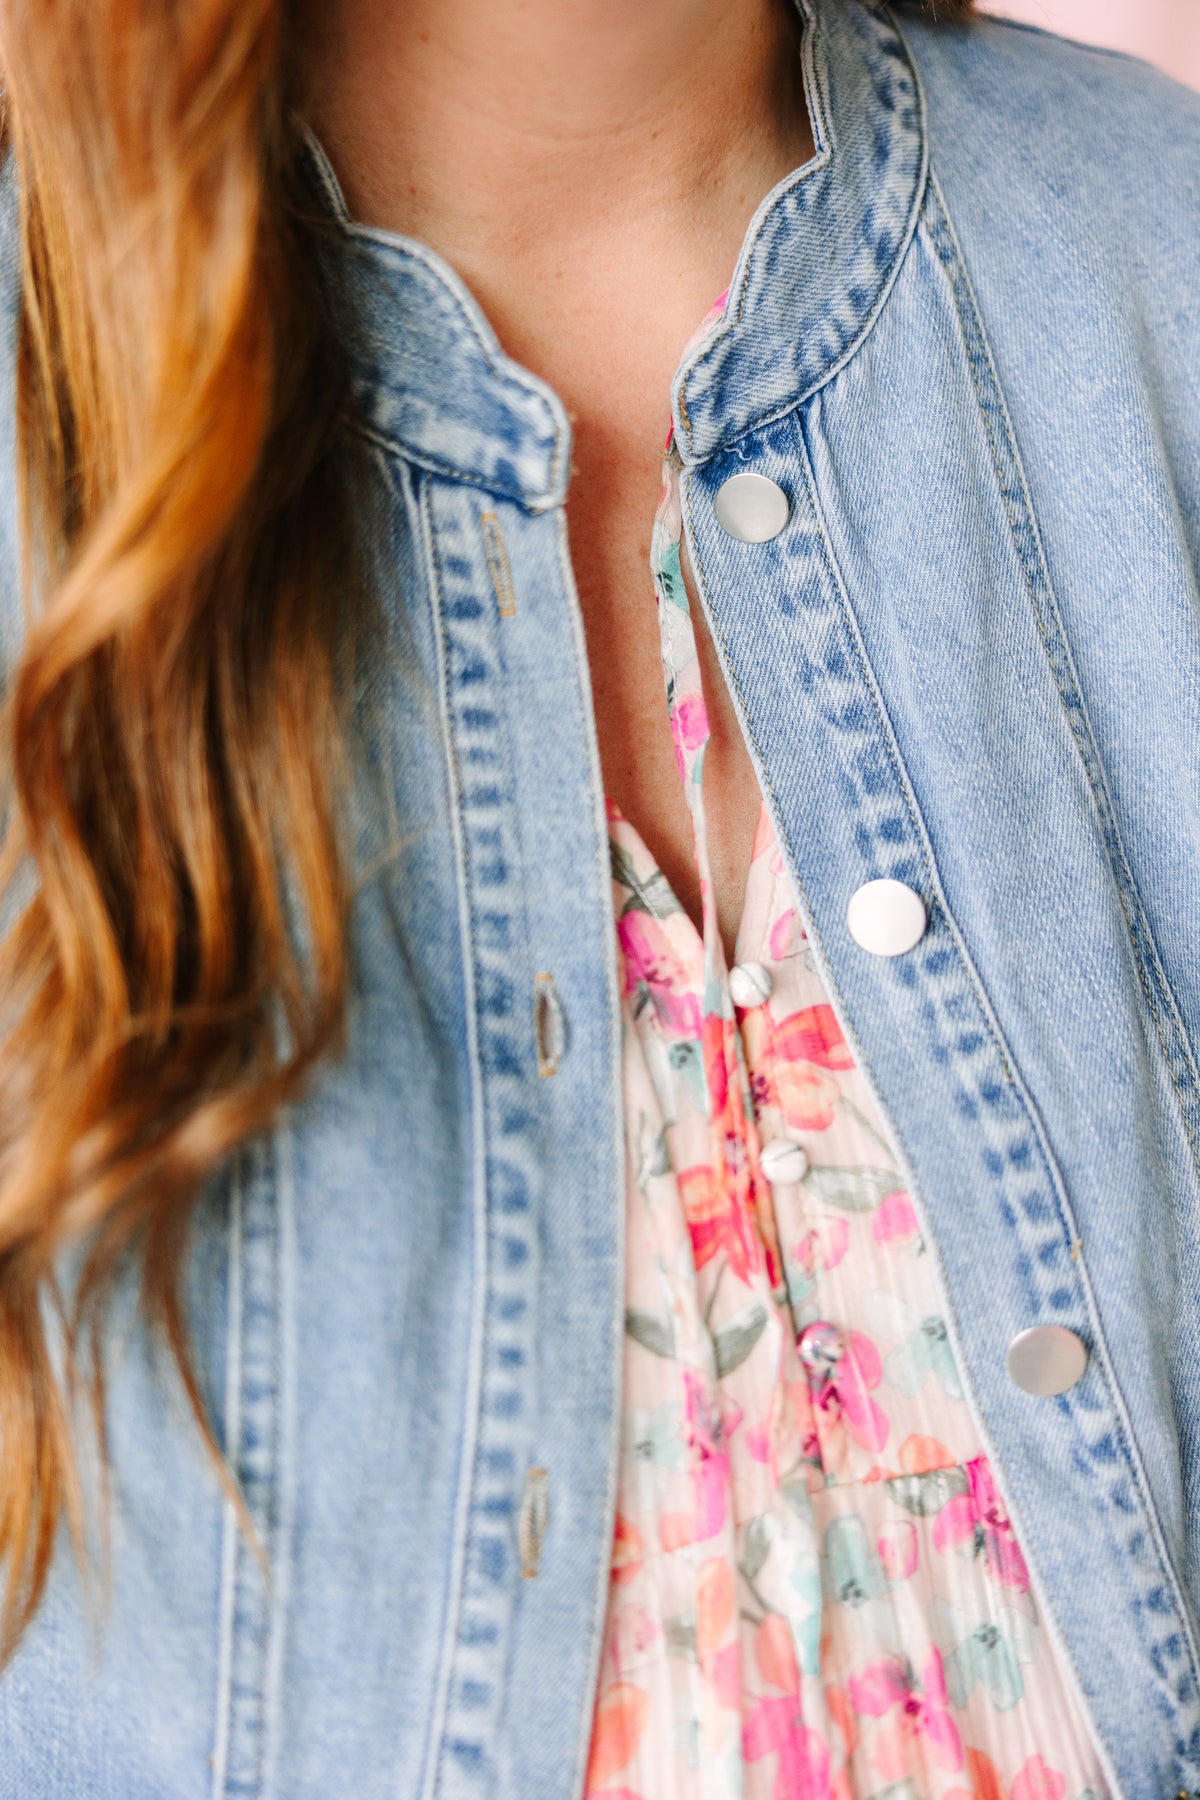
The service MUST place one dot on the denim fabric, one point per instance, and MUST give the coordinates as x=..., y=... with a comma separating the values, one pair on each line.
x=965, y=341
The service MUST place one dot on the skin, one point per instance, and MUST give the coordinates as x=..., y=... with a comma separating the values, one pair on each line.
x=589, y=167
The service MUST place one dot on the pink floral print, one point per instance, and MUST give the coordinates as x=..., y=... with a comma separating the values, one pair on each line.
x=817, y=1592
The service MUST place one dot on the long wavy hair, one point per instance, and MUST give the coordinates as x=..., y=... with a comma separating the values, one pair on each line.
x=173, y=730
x=174, y=744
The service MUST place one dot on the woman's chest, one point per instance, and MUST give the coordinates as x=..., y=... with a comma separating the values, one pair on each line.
x=611, y=511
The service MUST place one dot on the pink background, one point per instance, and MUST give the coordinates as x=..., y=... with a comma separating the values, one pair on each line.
x=1164, y=31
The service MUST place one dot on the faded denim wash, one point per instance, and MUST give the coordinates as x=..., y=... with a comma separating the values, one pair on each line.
x=965, y=340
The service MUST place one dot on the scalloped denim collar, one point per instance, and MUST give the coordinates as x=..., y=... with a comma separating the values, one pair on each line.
x=816, y=265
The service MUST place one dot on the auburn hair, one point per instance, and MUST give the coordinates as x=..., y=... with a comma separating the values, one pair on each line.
x=173, y=732
x=175, y=752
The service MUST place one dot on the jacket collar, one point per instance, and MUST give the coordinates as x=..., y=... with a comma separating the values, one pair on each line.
x=822, y=250
x=819, y=256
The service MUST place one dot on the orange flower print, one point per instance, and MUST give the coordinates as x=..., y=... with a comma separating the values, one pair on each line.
x=919, y=1454
x=717, y=1043
x=811, y=1036
x=792, y=1060
x=837, y=1704
x=715, y=1606
x=676, y=1530
x=985, y=1777
x=718, y=1221
x=764, y=833
x=619, y=1723
x=803, y=1091
x=805, y=1095
x=775, y=1654
x=628, y=1550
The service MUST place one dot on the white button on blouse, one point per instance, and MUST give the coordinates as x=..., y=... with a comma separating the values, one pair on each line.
x=783, y=1161
x=750, y=983
x=886, y=917
x=821, y=1346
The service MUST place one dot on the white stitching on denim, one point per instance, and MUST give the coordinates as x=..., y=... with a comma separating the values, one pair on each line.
x=596, y=797
x=456, y=1573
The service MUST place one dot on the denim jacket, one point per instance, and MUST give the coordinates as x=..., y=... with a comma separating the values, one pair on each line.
x=964, y=339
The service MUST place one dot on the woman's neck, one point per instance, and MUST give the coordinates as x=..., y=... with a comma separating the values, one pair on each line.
x=519, y=137
x=589, y=168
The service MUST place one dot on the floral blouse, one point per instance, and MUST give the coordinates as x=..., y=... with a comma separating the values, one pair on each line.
x=816, y=1591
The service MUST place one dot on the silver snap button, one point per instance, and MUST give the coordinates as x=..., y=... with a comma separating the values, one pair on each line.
x=751, y=508
x=750, y=984
x=782, y=1161
x=886, y=917
x=1046, y=1359
x=821, y=1346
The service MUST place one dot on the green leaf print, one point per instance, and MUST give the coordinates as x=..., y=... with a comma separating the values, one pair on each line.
x=985, y=1657
x=680, y=1636
x=653, y=895
x=927, y=1352
x=735, y=1340
x=685, y=1059
x=924, y=1495
x=653, y=1437
x=798, y=1499
x=756, y=1547
x=655, y=1157
x=852, y=1569
x=670, y=577
x=653, y=1331
x=850, y=1190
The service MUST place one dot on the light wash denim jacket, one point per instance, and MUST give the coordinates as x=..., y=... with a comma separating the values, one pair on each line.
x=965, y=341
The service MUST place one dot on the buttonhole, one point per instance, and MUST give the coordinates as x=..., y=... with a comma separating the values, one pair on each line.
x=535, y=1516
x=498, y=566
x=549, y=1024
